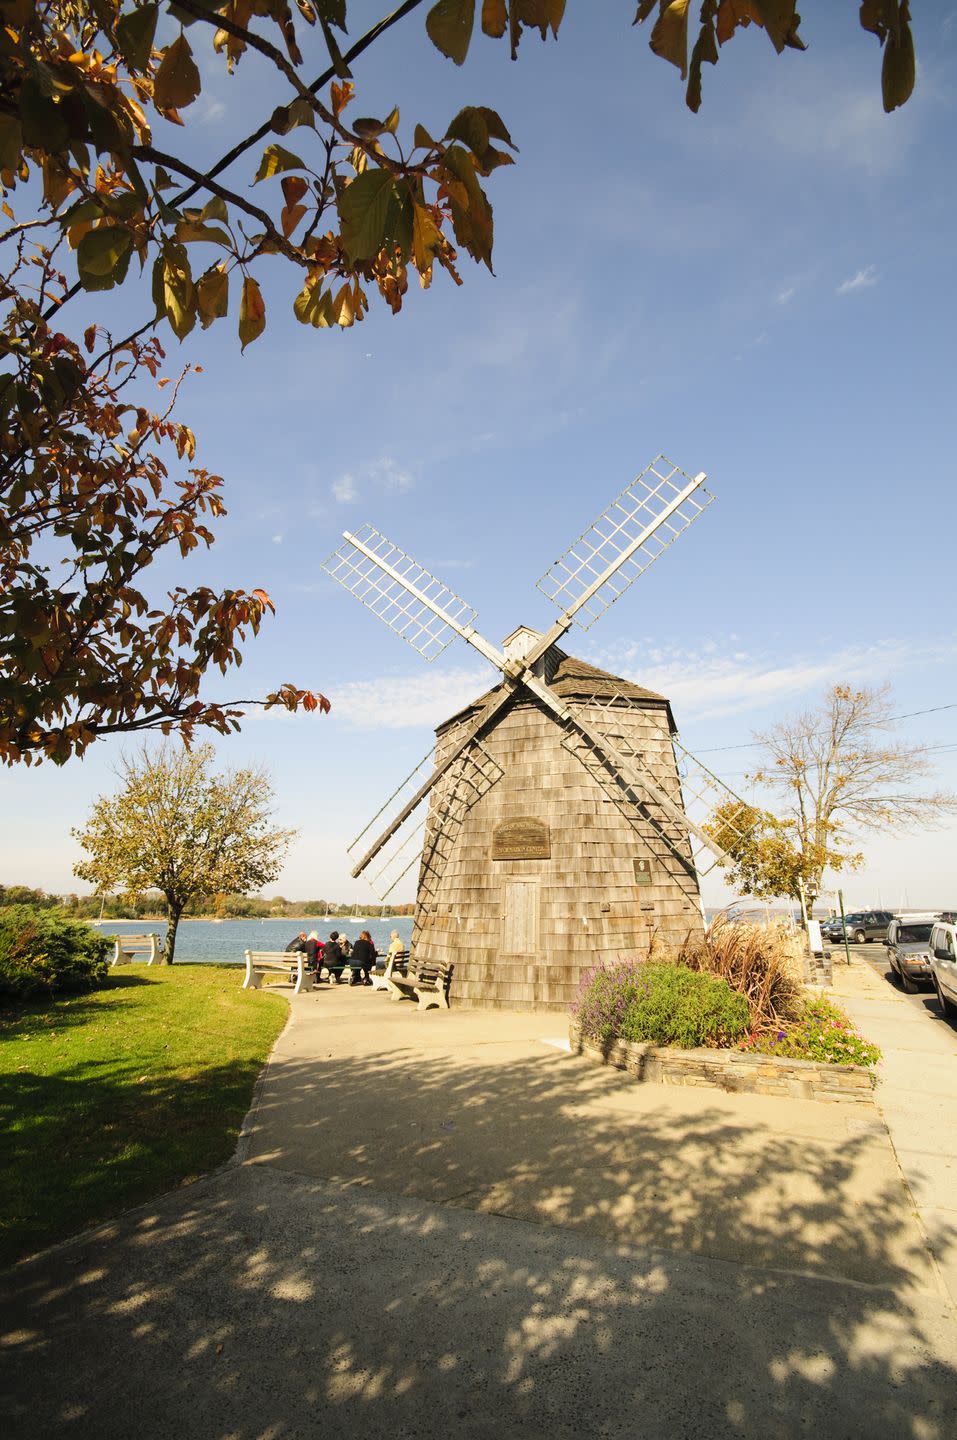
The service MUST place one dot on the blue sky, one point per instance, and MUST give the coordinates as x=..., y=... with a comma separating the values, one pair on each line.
x=764, y=291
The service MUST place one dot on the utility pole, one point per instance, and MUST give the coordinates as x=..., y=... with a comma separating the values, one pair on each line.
x=847, y=948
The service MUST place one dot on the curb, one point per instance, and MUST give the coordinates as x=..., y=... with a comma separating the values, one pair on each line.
x=246, y=1129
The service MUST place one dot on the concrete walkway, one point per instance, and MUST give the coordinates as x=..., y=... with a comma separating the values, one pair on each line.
x=917, y=1096
x=444, y=1222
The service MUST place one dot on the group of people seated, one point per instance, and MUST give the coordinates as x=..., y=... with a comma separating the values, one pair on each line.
x=338, y=954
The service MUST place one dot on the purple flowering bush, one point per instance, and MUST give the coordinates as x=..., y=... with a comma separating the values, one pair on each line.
x=823, y=1033
x=659, y=1003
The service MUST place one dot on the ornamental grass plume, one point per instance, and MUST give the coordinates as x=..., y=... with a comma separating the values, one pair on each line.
x=759, y=962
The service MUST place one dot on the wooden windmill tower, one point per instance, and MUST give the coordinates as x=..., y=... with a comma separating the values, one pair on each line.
x=560, y=827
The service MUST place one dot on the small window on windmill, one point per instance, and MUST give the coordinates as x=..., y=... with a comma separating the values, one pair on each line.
x=520, y=920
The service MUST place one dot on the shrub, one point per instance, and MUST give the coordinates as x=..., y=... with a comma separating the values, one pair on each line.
x=662, y=1004
x=759, y=962
x=43, y=953
x=822, y=1033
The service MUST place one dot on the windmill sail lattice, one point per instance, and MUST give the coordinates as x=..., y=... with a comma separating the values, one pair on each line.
x=697, y=794
x=471, y=776
x=400, y=591
x=638, y=526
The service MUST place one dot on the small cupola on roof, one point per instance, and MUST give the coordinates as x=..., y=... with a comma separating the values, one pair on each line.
x=519, y=643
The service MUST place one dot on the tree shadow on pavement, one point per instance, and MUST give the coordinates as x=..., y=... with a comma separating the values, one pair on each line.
x=574, y=1278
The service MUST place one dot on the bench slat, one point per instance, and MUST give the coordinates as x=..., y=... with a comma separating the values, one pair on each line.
x=426, y=983
x=263, y=962
x=126, y=947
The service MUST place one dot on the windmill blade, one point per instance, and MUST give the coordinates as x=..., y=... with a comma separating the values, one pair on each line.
x=396, y=860
x=638, y=526
x=628, y=767
x=701, y=791
x=704, y=792
x=395, y=805
x=429, y=839
x=410, y=805
x=411, y=600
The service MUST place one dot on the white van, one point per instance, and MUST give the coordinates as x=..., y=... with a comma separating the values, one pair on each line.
x=943, y=962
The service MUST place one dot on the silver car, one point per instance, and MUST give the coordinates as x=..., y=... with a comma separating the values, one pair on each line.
x=908, y=949
x=943, y=944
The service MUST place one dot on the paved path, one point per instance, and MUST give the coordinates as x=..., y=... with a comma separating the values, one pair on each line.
x=917, y=1096
x=444, y=1223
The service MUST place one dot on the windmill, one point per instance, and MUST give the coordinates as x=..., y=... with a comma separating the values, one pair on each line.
x=566, y=823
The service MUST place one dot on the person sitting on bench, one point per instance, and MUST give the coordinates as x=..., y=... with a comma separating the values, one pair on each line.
x=333, y=958
x=363, y=959
x=313, y=951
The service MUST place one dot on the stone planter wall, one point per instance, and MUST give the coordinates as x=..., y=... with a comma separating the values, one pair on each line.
x=733, y=1070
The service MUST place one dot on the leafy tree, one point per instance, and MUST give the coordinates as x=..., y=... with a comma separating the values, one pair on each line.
x=836, y=778
x=359, y=206
x=349, y=210
x=184, y=830
x=24, y=895
x=87, y=506
x=767, y=859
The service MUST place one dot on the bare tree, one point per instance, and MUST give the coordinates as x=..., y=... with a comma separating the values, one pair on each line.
x=838, y=776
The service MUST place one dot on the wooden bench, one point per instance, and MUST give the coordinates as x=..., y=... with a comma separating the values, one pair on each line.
x=397, y=963
x=429, y=984
x=271, y=962
x=127, y=948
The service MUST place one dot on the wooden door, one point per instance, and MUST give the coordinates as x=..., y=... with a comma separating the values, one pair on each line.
x=520, y=920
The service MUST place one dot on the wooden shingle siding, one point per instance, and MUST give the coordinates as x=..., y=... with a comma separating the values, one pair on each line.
x=583, y=900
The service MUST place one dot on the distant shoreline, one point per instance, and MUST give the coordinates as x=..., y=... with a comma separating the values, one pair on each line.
x=236, y=919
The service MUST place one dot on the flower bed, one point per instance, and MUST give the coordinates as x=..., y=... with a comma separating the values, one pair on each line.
x=823, y=1033
x=667, y=1023
x=741, y=1071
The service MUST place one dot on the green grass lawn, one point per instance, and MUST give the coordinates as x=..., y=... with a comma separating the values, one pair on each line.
x=109, y=1098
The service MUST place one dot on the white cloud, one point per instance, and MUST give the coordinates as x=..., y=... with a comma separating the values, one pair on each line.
x=829, y=120
x=785, y=295
x=861, y=281
x=395, y=702
x=384, y=473
x=344, y=490
x=277, y=539
x=388, y=474
x=709, y=683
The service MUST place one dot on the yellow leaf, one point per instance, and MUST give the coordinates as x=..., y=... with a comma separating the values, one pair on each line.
x=313, y=306
x=341, y=95
x=290, y=217
x=669, y=39
x=212, y=295
x=899, y=68
x=426, y=238
x=177, y=81
x=778, y=19
x=343, y=309
x=449, y=26
x=252, y=312
x=293, y=189
x=494, y=18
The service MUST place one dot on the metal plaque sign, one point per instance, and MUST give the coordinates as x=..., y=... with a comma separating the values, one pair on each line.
x=642, y=872
x=524, y=838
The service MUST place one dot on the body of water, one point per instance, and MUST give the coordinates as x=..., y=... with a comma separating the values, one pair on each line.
x=222, y=942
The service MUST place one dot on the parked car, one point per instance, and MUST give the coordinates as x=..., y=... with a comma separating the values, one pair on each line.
x=862, y=925
x=943, y=962
x=908, y=948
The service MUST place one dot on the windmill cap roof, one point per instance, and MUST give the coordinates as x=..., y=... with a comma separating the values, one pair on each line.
x=575, y=679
